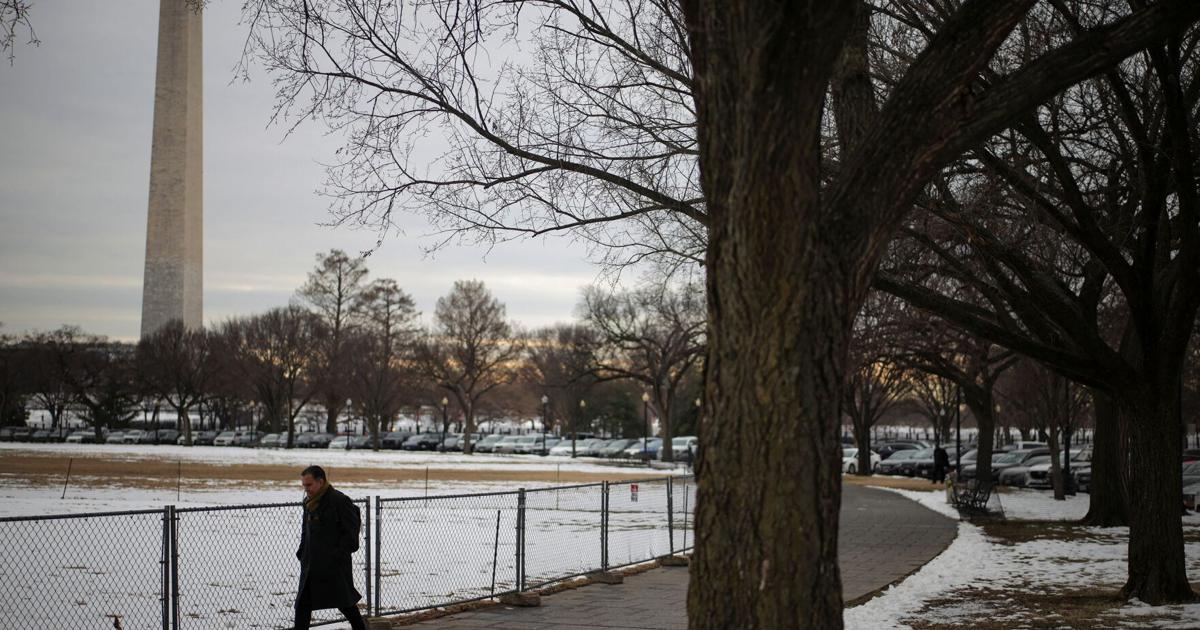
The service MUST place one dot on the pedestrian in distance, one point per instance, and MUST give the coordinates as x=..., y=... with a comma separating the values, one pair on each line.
x=941, y=464
x=329, y=535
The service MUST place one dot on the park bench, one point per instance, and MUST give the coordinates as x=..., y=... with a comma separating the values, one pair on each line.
x=972, y=496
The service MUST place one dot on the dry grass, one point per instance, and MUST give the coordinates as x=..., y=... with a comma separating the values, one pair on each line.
x=903, y=483
x=50, y=469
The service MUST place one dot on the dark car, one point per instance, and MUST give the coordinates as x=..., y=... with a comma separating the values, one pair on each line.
x=1002, y=461
x=894, y=465
x=422, y=442
x=21, y=434
x=394, y=440
x=891, y=448
x=1083, y=478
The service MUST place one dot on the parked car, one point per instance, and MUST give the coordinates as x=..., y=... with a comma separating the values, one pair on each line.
x=1003, y=460
x=115, y=437
x=1017, y=475
x=1191, y=455
x=488, y=443
x=320, y=440
x=82, y=436
x=227, y=438
x=394, y=440
x=21, y=434
x=614, y=448
x=199, y=438
x=683, y=448
x=422, y=442
x=360, y=442
x=1083, y=478
x=507, y=444
x=1019, y=445
x=888, y=449
x=850, y=460
x=638, y=451
x=525, y=444
x=922, y=463
x=132, y=436
x=159, y=436
x=1038, y=476
x=563, y=448
x=274, y=440
x=895, y=464
x=44, y=435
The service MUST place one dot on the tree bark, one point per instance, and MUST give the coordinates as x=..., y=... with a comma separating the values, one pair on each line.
x=1157, y=572
x=981, y=407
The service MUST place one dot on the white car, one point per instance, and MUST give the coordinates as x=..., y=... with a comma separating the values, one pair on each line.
x=683, y=447
x=1038, y=475
x=228, y=438
x=563, y=448
x=850, y=460
x=133, y=436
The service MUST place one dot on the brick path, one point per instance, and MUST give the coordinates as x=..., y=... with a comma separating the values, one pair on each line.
x=883, y=536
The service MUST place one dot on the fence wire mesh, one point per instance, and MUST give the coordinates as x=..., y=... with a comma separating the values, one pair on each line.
x=444, y=550
x=562, y=532
x=637, y=521
x=237, y=566
x=684, y=513
x=82, y=571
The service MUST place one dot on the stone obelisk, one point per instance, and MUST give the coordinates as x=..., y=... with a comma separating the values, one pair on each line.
x=173, y=284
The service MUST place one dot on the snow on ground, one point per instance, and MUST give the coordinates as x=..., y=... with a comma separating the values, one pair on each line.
x=1094, y=558
x=329, y=458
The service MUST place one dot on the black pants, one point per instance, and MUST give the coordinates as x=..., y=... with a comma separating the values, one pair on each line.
x=304, y=614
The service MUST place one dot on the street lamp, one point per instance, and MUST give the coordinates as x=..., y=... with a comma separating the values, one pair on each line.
x=445, y=420
x=646, y=434
x=575, y=429
x=545, y=403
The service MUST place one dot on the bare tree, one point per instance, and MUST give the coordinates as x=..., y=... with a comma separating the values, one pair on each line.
x=560, y=364
x=274, y=354
x=383, y=352
x=471, y=350
x=653, y=336
x=876, y=382
x=14, y=25
x=14, y=379
x=50, y=357
x=1051, y=404
x=103, y=376
x=331, y=291
x=792, y=241
x=177, y=365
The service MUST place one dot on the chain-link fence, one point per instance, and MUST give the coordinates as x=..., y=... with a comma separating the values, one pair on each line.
x=235, y=567
x=446, y=549
x=101, y=570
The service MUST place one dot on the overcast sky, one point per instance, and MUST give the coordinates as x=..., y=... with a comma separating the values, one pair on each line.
x=75, y=118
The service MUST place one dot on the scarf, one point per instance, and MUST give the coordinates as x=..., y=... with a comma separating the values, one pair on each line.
x=311, y=503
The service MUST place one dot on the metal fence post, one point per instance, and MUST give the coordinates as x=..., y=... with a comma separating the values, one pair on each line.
x=378, y=547
x=521, y=540
x=164, y=569
x=174, y=577
x=367, y=554
x=670, y=515
x=604, y=527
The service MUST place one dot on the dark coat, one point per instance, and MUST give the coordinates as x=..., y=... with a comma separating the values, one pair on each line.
x=941, y=459
x=327, y=538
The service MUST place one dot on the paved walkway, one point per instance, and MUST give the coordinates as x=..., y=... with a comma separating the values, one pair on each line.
x=883, y=536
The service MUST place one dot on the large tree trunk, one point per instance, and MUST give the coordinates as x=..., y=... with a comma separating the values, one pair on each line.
x=981, y=408
x=333, y=408
x=1056, y=478
x=782, y=290
x=1157, y=573
x=1107, y=497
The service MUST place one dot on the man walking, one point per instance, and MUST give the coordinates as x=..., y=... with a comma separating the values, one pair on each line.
x=328, y=537
x=941, y=463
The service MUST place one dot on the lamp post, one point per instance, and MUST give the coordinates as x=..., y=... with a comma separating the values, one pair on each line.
x=957, y=432
x=349, y=425
x=445, y=421
x=575, y=429
x=646, y=433
x=545, y=405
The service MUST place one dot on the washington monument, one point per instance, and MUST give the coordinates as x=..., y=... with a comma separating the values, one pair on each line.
x=173, y=283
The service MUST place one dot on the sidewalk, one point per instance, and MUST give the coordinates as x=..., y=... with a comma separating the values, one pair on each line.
x=883, y=536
